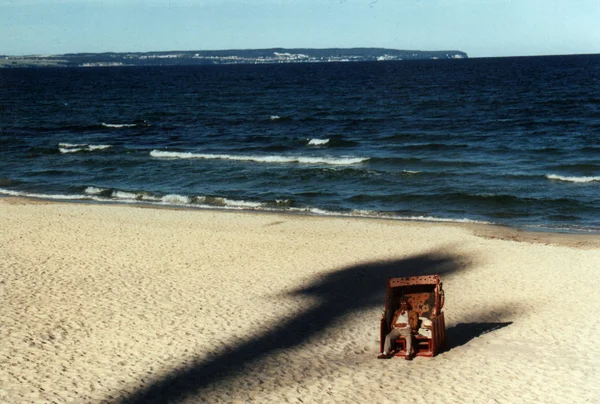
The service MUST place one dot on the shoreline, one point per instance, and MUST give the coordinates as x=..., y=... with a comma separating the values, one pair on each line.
x=486, y=230
x=105, y=303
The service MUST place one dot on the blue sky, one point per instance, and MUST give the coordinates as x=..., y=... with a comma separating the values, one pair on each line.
x=479, y=27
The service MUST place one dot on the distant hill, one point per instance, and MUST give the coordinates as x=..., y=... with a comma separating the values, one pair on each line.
x=215, y=57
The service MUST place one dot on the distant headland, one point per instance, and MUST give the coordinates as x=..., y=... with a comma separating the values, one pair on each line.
x=219, y=57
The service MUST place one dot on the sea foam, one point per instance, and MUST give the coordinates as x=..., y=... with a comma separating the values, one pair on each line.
x=99, y=146
x=317, y=142
x=79, y=147
x=94, y=190
x=124, y=195
x=346, y=160
x=241, y=204
x=118, y=125
x=44, y=196
x=176, y=199
x=103, y=194
x=72, y=145
x=572, y=179
x=223, y=203
x=72, y=150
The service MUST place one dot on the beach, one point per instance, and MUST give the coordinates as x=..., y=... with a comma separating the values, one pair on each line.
x=114, y=303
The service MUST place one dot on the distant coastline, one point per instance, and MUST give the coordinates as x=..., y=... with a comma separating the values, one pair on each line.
x=220, y=57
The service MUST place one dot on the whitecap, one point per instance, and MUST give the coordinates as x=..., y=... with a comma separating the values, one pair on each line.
x=346, y=160
x=380, y=215
x=317, y=142
x=333, y=160
x=275, y=117
x=44, y=196
x=176, y=199
x=79, y=147
x=322, y=212
x=572, y=179
x=241, y=204
x=94, y=190
x=440, y=219
x=118, y=125
x=124, y=195
x=173, y=155
x=73, y=150
x=69, y=145
x=99, y=147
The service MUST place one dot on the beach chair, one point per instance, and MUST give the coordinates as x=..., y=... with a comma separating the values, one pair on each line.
x=425, y=296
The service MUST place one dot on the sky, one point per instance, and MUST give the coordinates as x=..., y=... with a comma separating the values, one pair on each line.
x=482, y=28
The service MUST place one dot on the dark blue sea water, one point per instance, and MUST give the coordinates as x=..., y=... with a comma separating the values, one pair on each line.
x=513, y=141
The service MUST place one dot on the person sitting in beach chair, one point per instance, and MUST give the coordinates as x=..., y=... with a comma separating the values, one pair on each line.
x=403, y=324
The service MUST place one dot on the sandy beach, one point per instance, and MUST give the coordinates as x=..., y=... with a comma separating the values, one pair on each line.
x=113, y=303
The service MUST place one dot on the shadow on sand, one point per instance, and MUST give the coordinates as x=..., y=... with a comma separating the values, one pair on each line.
x=462, y=333
x=339, y=294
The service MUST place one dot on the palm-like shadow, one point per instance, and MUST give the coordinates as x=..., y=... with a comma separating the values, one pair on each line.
x=339, y=293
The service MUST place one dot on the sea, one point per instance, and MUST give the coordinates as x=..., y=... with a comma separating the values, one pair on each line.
x=508, y=141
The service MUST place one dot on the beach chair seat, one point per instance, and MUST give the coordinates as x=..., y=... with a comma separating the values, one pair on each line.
x=423, y=345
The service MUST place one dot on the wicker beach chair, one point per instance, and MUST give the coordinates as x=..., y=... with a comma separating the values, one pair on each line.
x=425, y=296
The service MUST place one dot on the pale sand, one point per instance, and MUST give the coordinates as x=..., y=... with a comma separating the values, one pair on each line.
x=101, y=302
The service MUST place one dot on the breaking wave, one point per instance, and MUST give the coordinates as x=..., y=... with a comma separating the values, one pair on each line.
x=261, y=159
x=209, y=202
x=123, y=125
x=317, y=142
x=572, y=179
x=74, y=147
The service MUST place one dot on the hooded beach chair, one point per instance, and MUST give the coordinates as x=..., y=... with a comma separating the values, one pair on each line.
x=425, y=296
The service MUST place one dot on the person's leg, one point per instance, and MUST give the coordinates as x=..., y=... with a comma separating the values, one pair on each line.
x=392, y=335
x=407, y=334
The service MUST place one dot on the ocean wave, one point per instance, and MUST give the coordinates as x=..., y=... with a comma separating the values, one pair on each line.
x=124, y=195
x=275, y=118
x=174, y=199
x=104, y=195
x=261, y=159
x=317, y=142
x=381, y=215
x=83, y=128
x=563, y=228
x=572, y=179
x=332, y=141
x=121, y=195
x=119, y=125
x=94, y=190
x=99, y=146
x=75, y=148
x=74, y=197
x=441, y=219
x=72, y=145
